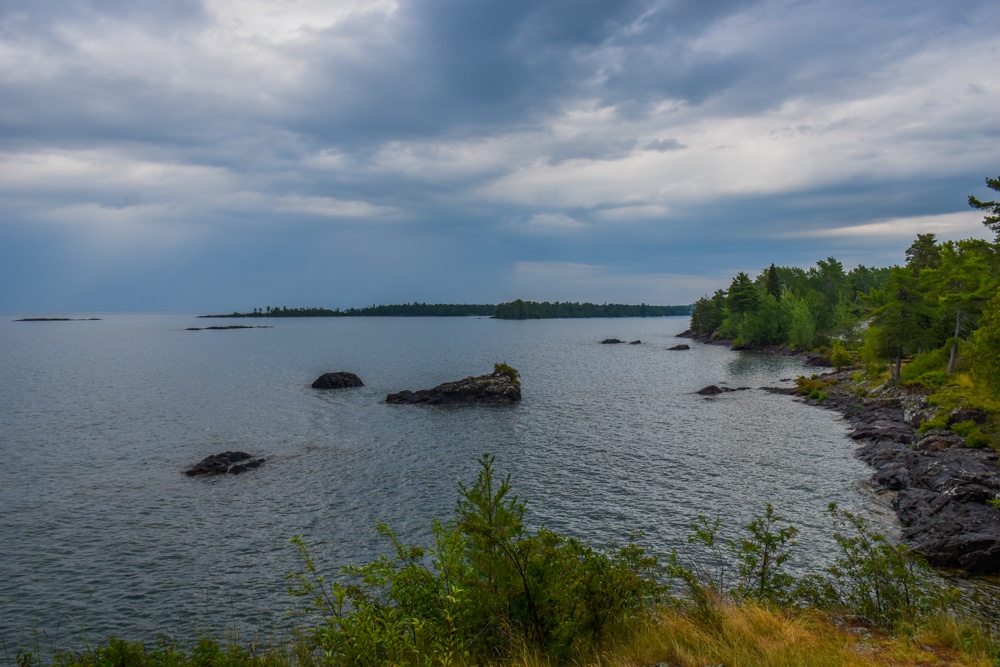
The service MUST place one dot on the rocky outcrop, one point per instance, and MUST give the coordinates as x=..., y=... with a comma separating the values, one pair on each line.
x=940, y=487
x=682, y=346
x=712, y=390
x=338, y=380
x=495, y=389
x=611, y=341
x=232, y=463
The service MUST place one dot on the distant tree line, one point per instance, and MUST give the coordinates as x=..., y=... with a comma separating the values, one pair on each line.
x=397, y=310
x=533, y=310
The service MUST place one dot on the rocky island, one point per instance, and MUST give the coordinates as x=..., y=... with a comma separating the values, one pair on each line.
x=502, y=387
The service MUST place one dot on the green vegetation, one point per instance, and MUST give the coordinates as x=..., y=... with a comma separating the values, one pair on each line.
x=532, y=310
x=509, y=371
x=491, y=591
x=931, y=326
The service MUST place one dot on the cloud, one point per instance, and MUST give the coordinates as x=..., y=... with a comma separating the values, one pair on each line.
x=946, y=226
x=630, y=137
x=569, y=281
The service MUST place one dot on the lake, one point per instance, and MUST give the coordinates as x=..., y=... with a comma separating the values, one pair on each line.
x=103, y=534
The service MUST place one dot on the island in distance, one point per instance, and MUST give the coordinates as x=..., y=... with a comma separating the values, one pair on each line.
x=512, y=310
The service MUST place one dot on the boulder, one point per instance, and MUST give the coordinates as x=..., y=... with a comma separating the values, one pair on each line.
x=337, y=380
x=636, y=342
x=611, y=341
x=232, y=463
x=682, y=346
x=494, y=389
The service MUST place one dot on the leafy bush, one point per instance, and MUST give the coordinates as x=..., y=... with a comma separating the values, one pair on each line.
x=883, y=582
x=486, y=589
x=932, y=361
x=929, y=380
x=759, y=557
x=509, y=371
x=839, y=356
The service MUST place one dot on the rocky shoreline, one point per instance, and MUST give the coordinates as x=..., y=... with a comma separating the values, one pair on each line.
x=940, y=488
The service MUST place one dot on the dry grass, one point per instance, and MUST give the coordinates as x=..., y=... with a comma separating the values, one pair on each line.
x=753, y=636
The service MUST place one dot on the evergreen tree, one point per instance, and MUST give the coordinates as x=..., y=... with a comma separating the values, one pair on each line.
x=923, y=253
x=899, y=320
x=992, y=208
x=742, y=297
x=772, y=284
x=959, y=286
x=985, y=348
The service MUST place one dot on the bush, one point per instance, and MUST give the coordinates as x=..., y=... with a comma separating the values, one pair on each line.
x=885, y=583
x=485, y=590
x=840, y=357
x=930, y=380
x=509, y=371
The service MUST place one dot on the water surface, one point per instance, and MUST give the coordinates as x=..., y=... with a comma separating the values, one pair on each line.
x=102, y=534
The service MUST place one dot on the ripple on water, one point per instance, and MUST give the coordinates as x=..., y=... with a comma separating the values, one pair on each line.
x=103, y=533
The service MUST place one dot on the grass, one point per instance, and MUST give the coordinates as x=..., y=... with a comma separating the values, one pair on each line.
x=735, y=635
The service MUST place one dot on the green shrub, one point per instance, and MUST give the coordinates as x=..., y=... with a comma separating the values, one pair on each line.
x=839, y=356
x=932, y=361
x=509, y=371
x=977, y=439
x=485, y=590
x=886, y=583
x=930, y=380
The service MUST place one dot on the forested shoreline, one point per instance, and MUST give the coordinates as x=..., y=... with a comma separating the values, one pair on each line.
x=931, y=325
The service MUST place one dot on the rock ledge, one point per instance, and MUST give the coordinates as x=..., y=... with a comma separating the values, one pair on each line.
x=494, y=389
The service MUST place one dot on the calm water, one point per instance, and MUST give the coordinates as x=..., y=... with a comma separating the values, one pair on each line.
x=101, y=533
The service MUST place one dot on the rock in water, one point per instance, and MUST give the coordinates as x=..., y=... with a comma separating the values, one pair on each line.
x=495, y=389
x=682, y=346
x=337, y=380
x=226, y=462
x=611, y=341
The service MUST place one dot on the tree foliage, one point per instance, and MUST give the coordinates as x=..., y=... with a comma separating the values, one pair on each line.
x=992, y=208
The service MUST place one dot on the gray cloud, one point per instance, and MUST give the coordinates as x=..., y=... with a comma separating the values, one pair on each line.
x=655, y=139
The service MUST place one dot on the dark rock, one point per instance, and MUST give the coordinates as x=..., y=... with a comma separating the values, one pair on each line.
x=338, y=380
x=636, y=342
x=495, y=389
x=814, y=359
x=227, y=327
x=936, y=440
x=226, y=462
x=682, y=346
x=942, y=488
x=967, y=414
x=611, y=341
x=712, y=390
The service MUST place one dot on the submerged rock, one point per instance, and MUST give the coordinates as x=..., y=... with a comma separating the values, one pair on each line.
x=494, y=389
x=611, y=341
x=232, y=463
x=712, y=390
x=682, y=346
x=338, y=380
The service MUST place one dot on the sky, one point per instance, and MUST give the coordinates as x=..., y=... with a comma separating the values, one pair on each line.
x=219, y=155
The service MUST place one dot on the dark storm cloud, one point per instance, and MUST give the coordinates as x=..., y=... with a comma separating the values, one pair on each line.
x=242, y=143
